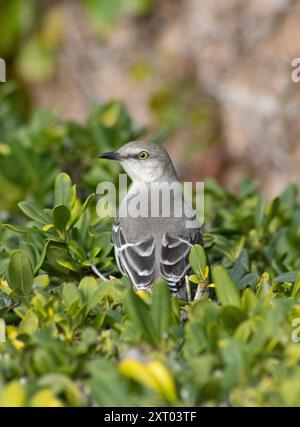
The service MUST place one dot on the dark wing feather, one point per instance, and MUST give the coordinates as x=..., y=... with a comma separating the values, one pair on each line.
x=174, y=260
x=136, y=259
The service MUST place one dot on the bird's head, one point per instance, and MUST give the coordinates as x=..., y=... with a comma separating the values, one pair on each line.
x=143, y=161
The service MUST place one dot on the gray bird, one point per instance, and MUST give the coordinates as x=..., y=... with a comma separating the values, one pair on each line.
x=156, y=227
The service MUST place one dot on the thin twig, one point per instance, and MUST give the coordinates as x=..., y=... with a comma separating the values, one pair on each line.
x=199, y=293
x=97, y=272
x=188, y=289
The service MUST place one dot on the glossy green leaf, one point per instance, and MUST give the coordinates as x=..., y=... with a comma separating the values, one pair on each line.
x=63, y=190
x=296, y=289
x=33, y=211
x=61, y=216
x=70, y=294
x=161, y=309
x=259, y=211
x=20, y=273
x=140, y=313
x=198, y=260
x=225, y=287
x=241, y=266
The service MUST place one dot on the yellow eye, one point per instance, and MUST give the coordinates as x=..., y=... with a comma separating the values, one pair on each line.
x=143, y=155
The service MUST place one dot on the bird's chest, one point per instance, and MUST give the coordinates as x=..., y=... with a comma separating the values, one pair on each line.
x=151, y=210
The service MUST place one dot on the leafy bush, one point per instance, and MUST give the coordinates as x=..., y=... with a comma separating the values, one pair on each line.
x=32, y=154
x=75, y=339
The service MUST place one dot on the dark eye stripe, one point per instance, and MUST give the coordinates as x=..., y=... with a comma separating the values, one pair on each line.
x=128, y=156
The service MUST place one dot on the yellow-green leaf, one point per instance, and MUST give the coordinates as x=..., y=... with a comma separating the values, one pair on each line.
x=225, y=287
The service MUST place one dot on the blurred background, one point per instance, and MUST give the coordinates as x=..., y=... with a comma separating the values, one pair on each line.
x=212, y=79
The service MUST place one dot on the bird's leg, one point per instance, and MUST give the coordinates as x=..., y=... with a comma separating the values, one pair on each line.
x=97, y=272
x=188, y=289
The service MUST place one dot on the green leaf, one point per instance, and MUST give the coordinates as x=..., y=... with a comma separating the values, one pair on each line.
x=286, y=277
x=68, y=265
x=4, y=266
x=88, y=201
x=195, y=279
x=140, y=314
x=288, y=197
x=259, y=211
x=18, y=229
x=61, y=216
x=250, y=279
x=90, y=289
x=41, y=281
x=296, y=288
x=232, y=317
x=161, y=309
x=61, y=384
x=63, y=190
x=55, y=252
x=33, y=211
x=241, y=266
x=70, y=294
x=20, y=273
x=75, y=213
x=197, y=259
x=47, y=227
x=106, y=385
x=41, y=259
x=103, y=241
x=76, y=249
x=225, y=287
x=29, y=324
x=234, y=362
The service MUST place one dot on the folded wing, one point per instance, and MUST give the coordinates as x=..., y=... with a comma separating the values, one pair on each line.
x=136, y=259
x=174, y=259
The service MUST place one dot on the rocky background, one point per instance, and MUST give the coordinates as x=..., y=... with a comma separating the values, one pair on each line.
x=211, y=78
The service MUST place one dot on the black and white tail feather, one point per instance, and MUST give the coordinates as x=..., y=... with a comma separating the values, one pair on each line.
x=138, y=260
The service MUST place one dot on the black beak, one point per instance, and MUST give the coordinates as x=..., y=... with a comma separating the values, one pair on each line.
x=111, y=156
